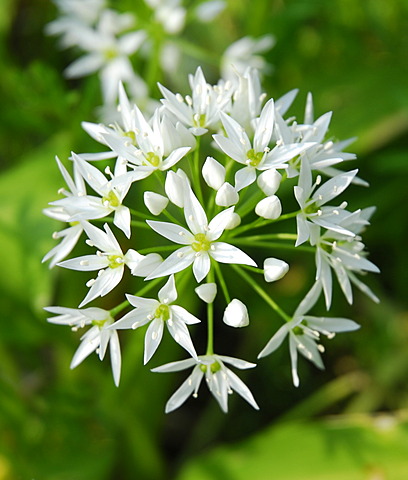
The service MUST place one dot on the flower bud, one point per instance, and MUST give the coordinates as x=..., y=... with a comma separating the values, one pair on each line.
x=236, y=314
x=175, y=186
x=234, y=221
x=155, y=202
x=274, y=269
x=269, y=181
x=226, y=195
x=213, y=173
x=207, y=292
x=269, y=208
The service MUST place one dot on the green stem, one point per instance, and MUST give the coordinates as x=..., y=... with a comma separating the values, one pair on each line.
x=210, y=320
x=140, y=292
x=283, y=246
x=268, y=236
x=223, y=284
x=261, y=292
x=261, y=222
x=133, y=223
x=196, y=172
x=163, y=248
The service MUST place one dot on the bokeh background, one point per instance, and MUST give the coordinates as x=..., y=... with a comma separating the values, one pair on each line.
x=349, y=422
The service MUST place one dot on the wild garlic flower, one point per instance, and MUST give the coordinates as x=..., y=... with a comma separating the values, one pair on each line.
x=109, y=261
x=90, y=207
x=201, y=111
x=220, y=380
x=159, y=313
x=96, y=338
x=304, y=333
x=201, y=241
x=70, y=235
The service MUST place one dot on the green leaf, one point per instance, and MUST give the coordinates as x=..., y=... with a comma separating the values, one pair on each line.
x=339, y=448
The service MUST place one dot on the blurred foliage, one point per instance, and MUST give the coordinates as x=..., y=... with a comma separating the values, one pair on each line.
x=57, y=424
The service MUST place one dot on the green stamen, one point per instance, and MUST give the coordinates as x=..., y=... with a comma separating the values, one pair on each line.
x=254, y=157
x=153, y=159
x=112, y=199
x=200, y=243
x=163, y=312
x=113, y=261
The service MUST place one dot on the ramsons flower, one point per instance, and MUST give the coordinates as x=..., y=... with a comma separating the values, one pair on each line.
x=109, y=261
x=159, y=313
x=201, y=241
x=304, y=333
x=220, y=380
x=96, y=338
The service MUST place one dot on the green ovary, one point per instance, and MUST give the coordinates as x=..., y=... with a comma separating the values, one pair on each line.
x=214, y=367
x=254, y=157
x=312, y=208
x=199, y=120
x=163, y=312
x=110, y=53
x=113, y=261
x=153, y=159
x=132, y=135
x=112, y=199
x=200, y=243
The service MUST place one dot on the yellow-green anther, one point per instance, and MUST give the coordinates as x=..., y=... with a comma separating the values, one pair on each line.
x=215, y=367
x=254, y=157
x=112, y=199
x=200, y=243
x=163, y=312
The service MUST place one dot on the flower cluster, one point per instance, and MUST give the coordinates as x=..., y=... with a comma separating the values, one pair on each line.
x=199, y=221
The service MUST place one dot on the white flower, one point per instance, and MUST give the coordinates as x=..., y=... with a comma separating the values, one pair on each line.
x=109, y=260
x=159, y=313
x=201, y=111
x=236, y=314
x=88, y=207
x=256, y=156
x=275, y=269
x=144, y=148
x=70, y=235
x=220, y=380
x=155, y=202
x=312, y=203
x=213, y=173
x=209, y=10
x=344, y=255
x=206, y=292
x=226, y=196
x=95, y=339
x=234, y=222
x=107, y=54
x=201, y=242
x=244, y=53
x=304, y=333
x=169, y=13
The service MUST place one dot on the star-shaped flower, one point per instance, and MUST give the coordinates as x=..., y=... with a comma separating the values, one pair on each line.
x=220, y=380
x=304, y=333
x=201, y=241
x=96, y=338
x=159, y=313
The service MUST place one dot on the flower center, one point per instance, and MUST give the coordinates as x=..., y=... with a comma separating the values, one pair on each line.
x=298, y=330
x=111, y=200
x=101, y=323
x=110, y=53
x=153, y=159
x=73, y=224
x=311, y=208
x=200, y=243
x=163, y=312
x=254, y=157
x=115, y=261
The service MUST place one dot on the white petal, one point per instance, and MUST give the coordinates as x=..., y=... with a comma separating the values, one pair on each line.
x=293, y=361
x=175, y=366
x=153, y=338
x=239, y=386
x=264, y=128
x=85, y=263
x=88, y=345
x=276, y=341
x=183, y=315
x=182, y=393
x=173, y=232
x=116, y=361
x=226, y=253
x=244, y=177
x=181, y=335
x=219, y=223
x=333, y=187
x=144, y=266
x=237, y=362
x=122, y=219
x=194, y=213
x=331, y=324
x=168, y=293
x=177, y=261
x=201, y=266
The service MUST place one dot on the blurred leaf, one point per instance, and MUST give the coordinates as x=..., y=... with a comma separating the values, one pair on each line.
x=340, y=448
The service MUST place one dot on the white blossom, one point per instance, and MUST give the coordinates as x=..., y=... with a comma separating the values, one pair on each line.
x=274, y=269
x=236, y=314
